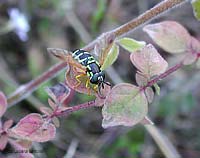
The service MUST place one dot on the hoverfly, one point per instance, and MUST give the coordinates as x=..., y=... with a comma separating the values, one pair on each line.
x=87, y=63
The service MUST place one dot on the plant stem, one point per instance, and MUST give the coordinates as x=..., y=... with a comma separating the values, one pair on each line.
x=28, y=88
x=163, y=75
x=140, y=20
x=162, y=141
x=25, y=90
x=75, y=108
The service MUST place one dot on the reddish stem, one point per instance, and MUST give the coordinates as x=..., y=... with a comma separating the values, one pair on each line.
x=75, y=108
x=92, y=103
x=24, y=90
x=165, y=74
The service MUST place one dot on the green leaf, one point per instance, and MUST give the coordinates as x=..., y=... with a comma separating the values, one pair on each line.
x=196, y=8
x=125, y=105
x=157, y=88
x=131, y=45
x=111, y=57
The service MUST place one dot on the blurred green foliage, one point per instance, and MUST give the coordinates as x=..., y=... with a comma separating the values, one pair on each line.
x=128, y=145
x=98, y=15
x=175, y=103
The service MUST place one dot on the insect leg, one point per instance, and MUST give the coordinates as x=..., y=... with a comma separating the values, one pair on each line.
x=95, y=88
x=78, y=79
x=87, y=86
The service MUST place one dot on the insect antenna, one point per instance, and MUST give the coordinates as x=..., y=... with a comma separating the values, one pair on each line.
x=107, y=83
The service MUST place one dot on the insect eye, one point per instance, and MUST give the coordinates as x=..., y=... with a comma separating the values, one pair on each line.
x=94, y=79
x=99, y=78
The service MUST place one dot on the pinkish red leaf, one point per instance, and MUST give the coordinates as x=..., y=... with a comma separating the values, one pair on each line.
x=3, y=104
x=149, y=94
x=72, y=82
x=26, y=155
x=193, y=52
x=189, y=58
x=141, y=79
x=47, y=111
x=34, y=128
x=149, y=61
x=59, y=91
x=3, y=141
x=99, y=101
x=7, y=124
x=194, y=46
x=169, y=35
x=52, y=104
x=20, y=147
x=56, y=121
x=25, y=144
x=125, y=105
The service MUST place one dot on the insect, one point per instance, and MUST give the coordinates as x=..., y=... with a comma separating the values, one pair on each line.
x=86, y=62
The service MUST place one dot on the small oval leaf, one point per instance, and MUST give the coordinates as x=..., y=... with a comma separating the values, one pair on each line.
x=141, y=80
x=3, y=141
x=149, y=94
x=189, y=58
x=22, y=145
x=111, y=57
x=34, y=128
x=26, y=144
x=46, y=110
x=3, y=104
x=130, y=44
x=157, y=88
x=196, y=8
x=169, y=35
x=52, y=104
x=99, y=101
x=56, y=121
x=7, y=124
x=124, y=105
x=149, y=61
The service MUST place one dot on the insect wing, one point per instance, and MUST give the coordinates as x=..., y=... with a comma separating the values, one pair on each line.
x=59, y=53
x=65, y=56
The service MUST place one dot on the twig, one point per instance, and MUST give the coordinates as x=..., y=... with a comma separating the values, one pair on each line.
x=163, y=75
x=162, y=141
x=10, y=81
x=143, y=18
x=72, y=149
x=75, y=108
x=28, y=88
x=25, y=90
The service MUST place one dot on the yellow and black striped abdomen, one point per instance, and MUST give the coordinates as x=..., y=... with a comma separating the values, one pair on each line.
x=87, y=60
x=83, y=57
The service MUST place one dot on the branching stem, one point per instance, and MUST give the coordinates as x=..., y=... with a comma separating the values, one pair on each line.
x=86, y=105
x=28, y=88
x=92, y=103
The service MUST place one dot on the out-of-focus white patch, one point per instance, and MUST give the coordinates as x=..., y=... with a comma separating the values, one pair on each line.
x=20, y=23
